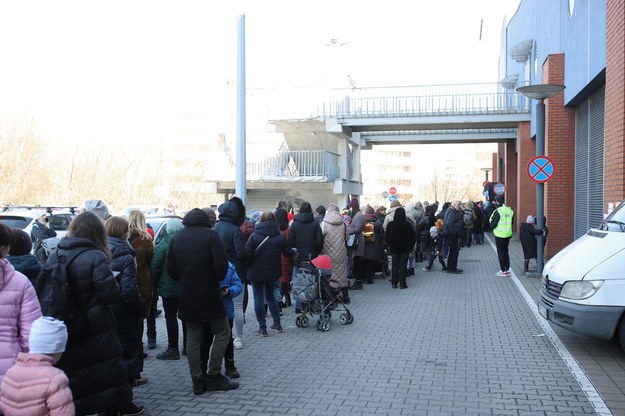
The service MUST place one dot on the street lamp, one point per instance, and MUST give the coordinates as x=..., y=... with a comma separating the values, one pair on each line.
x=486, y=170
x=540, y=92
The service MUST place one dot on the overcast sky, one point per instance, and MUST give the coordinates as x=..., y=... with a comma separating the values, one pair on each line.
x=102, y=62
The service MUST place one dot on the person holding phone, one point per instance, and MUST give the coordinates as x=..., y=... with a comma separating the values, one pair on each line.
x=40, y=231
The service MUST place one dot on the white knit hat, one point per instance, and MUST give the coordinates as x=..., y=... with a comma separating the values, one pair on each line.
x=433, y=231
x=529, y=219
x=98, y=207
x=47, y=336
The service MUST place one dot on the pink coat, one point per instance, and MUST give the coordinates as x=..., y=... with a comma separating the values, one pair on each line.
x=19, y=307
x=34, y=387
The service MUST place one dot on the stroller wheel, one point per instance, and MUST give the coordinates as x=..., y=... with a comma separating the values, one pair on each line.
x=344, y=319
x=298, y=321
x=325, y=326
x=350, y=317
x=327, y=315
x=304, y=322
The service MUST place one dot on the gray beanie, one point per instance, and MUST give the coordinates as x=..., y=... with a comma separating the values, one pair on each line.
x=47, y=336
x=98, y=207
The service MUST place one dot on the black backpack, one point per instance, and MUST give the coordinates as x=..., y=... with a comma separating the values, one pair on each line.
x=55, y=293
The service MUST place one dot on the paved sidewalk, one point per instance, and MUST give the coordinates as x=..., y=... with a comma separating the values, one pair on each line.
x=448, y=345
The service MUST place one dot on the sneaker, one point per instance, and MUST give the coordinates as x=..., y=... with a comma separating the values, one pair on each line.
x=500, y=274
x=261, y=332
x=220, y=382
x=507, y=273
x=169, y=354
x=132, y=410
x=276, y=328
x=199, y=386
x=238, y=343
x=139, y=381
x=426, y=269
x=151, y=343
x=232, y=372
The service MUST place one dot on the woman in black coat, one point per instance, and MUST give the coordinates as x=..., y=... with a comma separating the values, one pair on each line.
x=132, y=310
x=93, y=357
x=528, y=233
x=264, y=249
x=400, y=237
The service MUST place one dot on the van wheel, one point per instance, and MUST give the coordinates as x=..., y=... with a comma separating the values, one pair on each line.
x=621, y=332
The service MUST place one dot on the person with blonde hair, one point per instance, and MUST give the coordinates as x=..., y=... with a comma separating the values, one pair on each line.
x=143, y=246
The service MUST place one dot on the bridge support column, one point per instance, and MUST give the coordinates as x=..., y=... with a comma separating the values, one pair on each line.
x=526, y=188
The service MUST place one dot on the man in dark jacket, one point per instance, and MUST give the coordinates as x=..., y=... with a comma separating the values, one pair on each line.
x=453, y=228
x=197, y=260
x=40, y=231
x=305, y=234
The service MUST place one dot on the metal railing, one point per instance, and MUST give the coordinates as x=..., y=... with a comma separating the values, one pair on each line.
x=428, y=100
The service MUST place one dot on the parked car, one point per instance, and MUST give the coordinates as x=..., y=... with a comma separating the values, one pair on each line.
x=24, y=217
x=157, y=223
x=583, y=286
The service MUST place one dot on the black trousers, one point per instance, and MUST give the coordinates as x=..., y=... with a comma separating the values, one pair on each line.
x=454, y=251
x=502, y=253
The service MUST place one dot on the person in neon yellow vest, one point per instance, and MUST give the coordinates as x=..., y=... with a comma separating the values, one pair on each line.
x=501, y=223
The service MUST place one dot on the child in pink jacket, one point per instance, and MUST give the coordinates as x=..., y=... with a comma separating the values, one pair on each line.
x=33, y=386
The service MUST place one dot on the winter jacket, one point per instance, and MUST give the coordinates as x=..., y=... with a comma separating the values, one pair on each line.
x=93, y=359
x=374, y=250
x=527, y=236
x=390, y=215
x=40, y=232
x=167, y=287
x=423, y=228
x=19, y=307
x=234, y=286
x=478, y=223
x=26, y=264
x=334, y=233
x=287, y=263
x=469, y=211
x=452, y=223
x=197, y=260
x=400, y=236
x=355, y=227
x=128, y=314
x=34, y=387
x=264, y=262
x=305, y=235
x=144, y=251
x=229, y=232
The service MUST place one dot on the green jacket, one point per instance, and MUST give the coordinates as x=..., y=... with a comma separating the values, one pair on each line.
x=167, y=287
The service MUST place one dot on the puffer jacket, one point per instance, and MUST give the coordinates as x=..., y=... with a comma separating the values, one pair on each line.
x=19, y=307
x=452, y=223
x=93, y=359
x=399, y=235
x=234, y=286
x=229, y=231
x=334, y=234
x=34, y=387
x=264, y=261
x=374, y=250
x=144, y=251
x=26, y=264
x=305, y=235
x=197, y=260
x=128, y=314
x=167, y=287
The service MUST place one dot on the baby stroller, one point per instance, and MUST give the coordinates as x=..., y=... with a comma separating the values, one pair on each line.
x=311, y=286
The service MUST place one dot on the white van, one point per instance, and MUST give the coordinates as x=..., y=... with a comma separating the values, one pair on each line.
x=583, y=286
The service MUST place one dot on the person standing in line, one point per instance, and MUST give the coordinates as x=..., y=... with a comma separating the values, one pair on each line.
x=478, y=224
x=168, y=290
x=320, y=213
x=501, y=224
x=356, y=224
x=20, y=255
x=263, y=251
x=129, y=314
x=373, y=234
x=93, y=358
x=334, y=234
x=33, y=386
x=453, y=229
x=287, y=264
x=20, y=306
x=400, y=237
x=231, y=222
x=197, y=260
x=40, y=231
x=527, y=235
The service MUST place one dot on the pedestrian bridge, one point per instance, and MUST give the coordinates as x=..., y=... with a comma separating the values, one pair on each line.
x=323, y=146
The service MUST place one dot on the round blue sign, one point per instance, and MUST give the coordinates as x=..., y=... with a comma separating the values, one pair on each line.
x=499, y=188
x=392, y=198
x=541, y=169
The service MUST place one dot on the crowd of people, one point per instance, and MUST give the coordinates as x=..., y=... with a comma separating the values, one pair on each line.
x=201, y=269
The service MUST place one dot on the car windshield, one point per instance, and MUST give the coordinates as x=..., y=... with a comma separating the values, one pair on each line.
x=616, y=220
x=15, y=222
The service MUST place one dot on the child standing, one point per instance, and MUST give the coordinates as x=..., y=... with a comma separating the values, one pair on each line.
x=33, y=386
x=435, y=244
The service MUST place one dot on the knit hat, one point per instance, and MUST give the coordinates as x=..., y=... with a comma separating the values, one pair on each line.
x=433, y=231
x=212, y=217
x=98, y=207
x=47, y=336
x=354, y=204
x=254, y=217
x=530, y=219
x=20, y=243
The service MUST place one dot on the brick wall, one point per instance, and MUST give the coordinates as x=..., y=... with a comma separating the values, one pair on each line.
x=510, y=164
x=560, y=147
x=614, y=176
x=526, y=188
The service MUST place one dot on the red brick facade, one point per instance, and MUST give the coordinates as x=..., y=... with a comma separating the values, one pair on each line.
x=614, y=150
x=526, y=188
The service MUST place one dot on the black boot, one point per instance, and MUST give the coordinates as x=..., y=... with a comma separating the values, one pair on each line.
x=357, y=285
x=526, y=266
x=199, y=386
x=220, y=382
x=345, y=295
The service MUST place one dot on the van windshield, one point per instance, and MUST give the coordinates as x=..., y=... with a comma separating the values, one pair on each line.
x=616, y=220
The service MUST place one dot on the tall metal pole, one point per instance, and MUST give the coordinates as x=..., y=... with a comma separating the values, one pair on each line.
x=540, y=187
x=240, y=186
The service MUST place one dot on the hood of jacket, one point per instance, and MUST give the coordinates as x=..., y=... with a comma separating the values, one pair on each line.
x=267, y=228
x=232, y=211
x=120, y=247
x=196, y=217
x=304, y=217
x=333, y=216
x=172, y=226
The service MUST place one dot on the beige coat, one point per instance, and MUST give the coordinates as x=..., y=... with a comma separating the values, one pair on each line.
x=334, y=234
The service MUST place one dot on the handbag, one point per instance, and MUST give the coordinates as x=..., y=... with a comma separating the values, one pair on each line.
x=352, y=240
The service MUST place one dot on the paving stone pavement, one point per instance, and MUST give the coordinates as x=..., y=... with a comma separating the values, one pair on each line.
x=464, y=344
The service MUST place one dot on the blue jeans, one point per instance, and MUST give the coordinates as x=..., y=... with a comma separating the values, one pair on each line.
x=262, y=291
